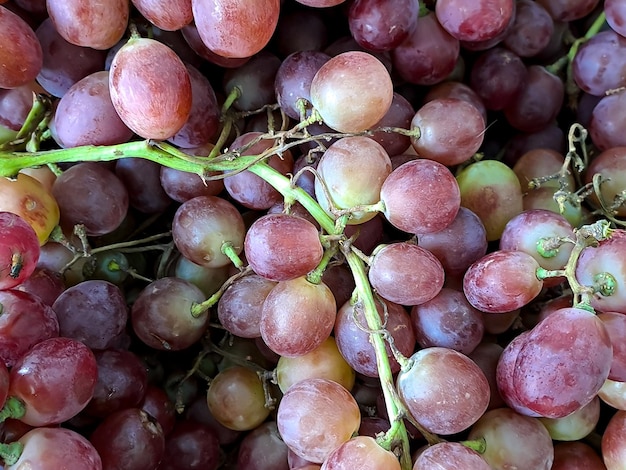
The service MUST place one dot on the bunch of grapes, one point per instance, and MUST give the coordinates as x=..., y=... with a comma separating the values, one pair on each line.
x=312, y=234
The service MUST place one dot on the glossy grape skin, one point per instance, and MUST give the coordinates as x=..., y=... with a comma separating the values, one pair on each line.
x=315, y=416
x=588, y=69
x=409, y=198
x=19, y=250
x=428, y=55
x=161, y=315
x=615, y=16
x=448, y=320
x=382, y=26
x=576, y=456
x=615, y=324
x=90, y=194
x=576, y=425
x=455, y=89
x=353, y=340
x=609, y=162
x=486, y=355
x=537, y=163
x=64, y=63
x=85, y=115
x=568, y=10
x=297, y=316
x=491, y=190
x=202, y=225
x=102, y=23
x=25, y=321
x=44, y=284
x=281, y=247
x=55, y=380
x=263, y=449
x=239, y=307
x=324, y=362
x=55, y=447
x=182, y=186
x=531, y=30
x=236, y=398
x=351, y=172
x=167, y=15
x=502, y=281
x=235, y=29
x=459, y=244
x=142, y=180
x=571, y=346
x=347, y=78
x=129, y=437
x=456, y=141
x=607, y=120
x=514, y=441
x=406, y=274
x=450, y=456
x=361, y=452
x=613, y=449
x=606, y=257
x=481, y=21
x=21, y=57
x=152, y=104
x=444, y=390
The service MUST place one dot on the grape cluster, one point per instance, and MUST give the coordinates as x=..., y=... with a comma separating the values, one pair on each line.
x=312, y=234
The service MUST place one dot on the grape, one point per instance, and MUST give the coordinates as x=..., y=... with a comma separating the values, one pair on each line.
x=399, y=115
x=192, y=446
x=236, y=398
x=537, y=163
x=448, y=320
x=295, y=247
x=161, y=315
x=235, y=29
x=486, y=355
x=320, y=3
x=459, y=244
x=450, y=456
x=410, y=198
x=531, y=30
x=204, y=115
x=129, y=437
x=142, y=179
x=85, y=115
x=90, y=194
x=497, y=76
x=63, y=62
x=361, y=452
x=576, y=425
x=347, y=78
x=315, y=416
x=293, y=79
x=351, y=173
x=538, y=102
x=182, y=186
x=613, y=449
x=615, y=16
x=406, y=274
x=44, y=284
x=56, y=447
x=353, y=337
x=202, y=226
x=382, y=25
x=300, y=30
x=605, y=258
x=588, y=67
x=502, y=281
x=153, y=104
x=263, y=449
x=456, y=141
x=55, y=379
x=428, y=55
x=102, y=24
x=193, y=39
x=568, y=10
x=615, y=324
x=610, y=162
x=325, y=362
x=459, y=90
x=297, y=317
x=491, y=190
x=481, y=21
x=255, y=81
x=167, y=15
x=444, y=390
x=513, y=441
x=122, y=382
x=563, y=363
x=15, y=104
x=576, y=456
x=607, y=120
x=19, y=250
x=25, y=322
x=21, y=56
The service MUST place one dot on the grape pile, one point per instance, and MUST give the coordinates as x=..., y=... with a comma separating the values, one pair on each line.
x=312, y=234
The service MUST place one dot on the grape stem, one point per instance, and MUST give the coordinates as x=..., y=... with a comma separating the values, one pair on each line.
x=13, y=408
x=11, y=452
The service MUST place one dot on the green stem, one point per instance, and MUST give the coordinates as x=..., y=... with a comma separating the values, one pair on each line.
x=11, y=452
x=479, y=445
x=315, y=276
x=13, y=408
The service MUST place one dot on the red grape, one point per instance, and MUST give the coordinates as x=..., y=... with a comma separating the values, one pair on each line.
x=21, y=57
